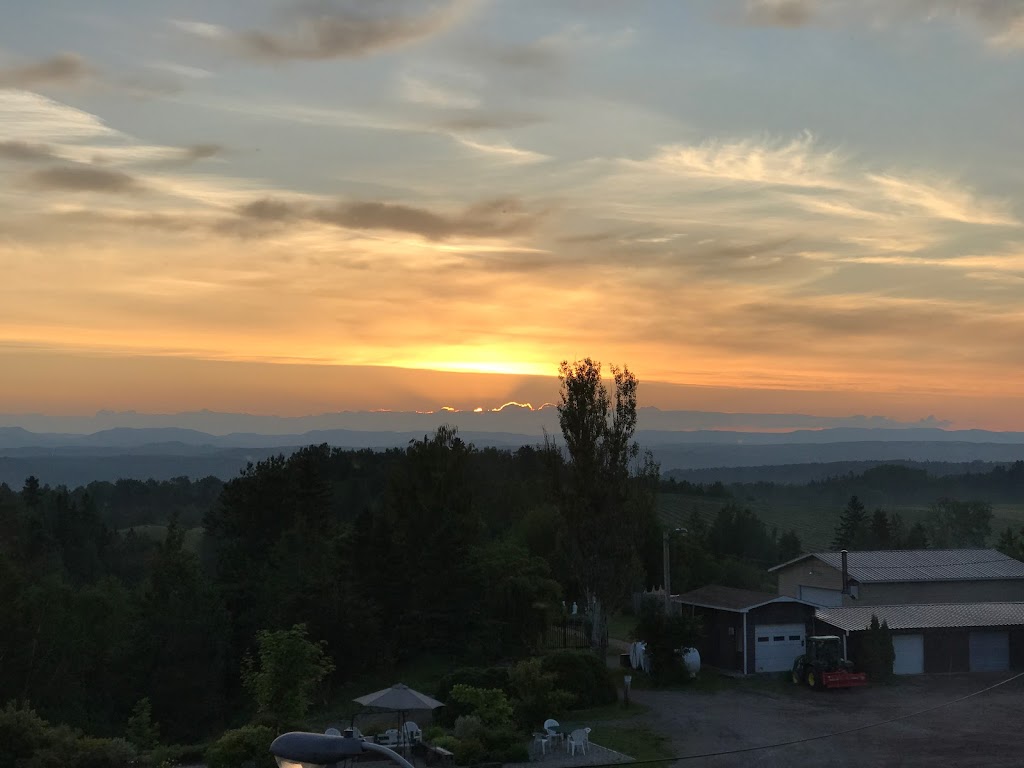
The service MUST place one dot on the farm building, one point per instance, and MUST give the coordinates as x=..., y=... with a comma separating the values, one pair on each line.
x=903, y=577
x=940, y=637
x=748, y=631
x=953, y=610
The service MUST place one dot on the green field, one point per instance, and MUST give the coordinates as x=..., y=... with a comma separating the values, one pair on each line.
x=814, y=523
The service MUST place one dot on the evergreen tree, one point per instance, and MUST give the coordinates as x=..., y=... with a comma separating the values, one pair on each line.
x=897, y=531
x=852, y=531
x=790, y=546
x=917, y=537
x=881, y=532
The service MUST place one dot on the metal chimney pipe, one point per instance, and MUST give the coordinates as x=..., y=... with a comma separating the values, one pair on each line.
x=846, y=575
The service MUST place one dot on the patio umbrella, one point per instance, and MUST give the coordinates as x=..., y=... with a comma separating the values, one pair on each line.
x=399, y=698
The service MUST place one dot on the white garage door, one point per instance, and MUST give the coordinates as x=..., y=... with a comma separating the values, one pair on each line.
x=776, y=646
x=833, y=598
x=990, y=651
x=909, y=654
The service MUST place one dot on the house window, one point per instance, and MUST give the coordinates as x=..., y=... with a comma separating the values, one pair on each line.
x=762, y=639
x=779, y=638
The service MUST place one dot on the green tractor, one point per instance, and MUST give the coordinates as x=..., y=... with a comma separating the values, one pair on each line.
x=823, y=666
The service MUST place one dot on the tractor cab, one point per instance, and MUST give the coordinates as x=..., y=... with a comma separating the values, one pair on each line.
x=824, y=649
x=823, y=665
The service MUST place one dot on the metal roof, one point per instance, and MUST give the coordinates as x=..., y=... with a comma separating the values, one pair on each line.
x=858, y=617
x=730, y=599
x=922, y=565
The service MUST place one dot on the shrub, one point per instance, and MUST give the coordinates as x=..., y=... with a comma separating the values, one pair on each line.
x=285, y=673
x=104, y=753
x=28, y=741
x=432, y=733
x=535, y=697
x=22, y=732
x=477, y=677
x=445, y=742
x=250, y=743
x=468, y=727
x=663, y=635
x=58, y=750
x=513, y=753
x=584, y=674
x=169, y=756
x=491, y=705
x=141, y=730
x=469, y=752
x=877, y=653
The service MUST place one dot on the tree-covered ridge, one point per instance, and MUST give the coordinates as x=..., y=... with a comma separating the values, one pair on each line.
x=439, y=548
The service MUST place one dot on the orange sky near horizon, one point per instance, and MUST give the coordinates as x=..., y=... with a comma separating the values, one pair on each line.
x=80, y=384
x=757, y=211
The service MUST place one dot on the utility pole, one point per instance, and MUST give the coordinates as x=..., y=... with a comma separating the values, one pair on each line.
x=666, y=565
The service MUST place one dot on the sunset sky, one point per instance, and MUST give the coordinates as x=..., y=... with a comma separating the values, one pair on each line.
x=292, y=207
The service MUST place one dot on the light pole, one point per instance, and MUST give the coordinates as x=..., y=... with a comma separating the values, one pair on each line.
x=665, y=563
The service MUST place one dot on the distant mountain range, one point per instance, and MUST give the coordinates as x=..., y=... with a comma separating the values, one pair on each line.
x=164, y=452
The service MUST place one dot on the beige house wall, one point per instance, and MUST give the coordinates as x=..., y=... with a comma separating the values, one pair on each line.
x=808, y=573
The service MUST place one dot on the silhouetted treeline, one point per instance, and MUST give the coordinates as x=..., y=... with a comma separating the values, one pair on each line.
x=437, y=549
x=128, y=503
x=893, y=485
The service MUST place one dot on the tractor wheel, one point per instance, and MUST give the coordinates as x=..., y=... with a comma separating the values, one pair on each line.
x=796, y=677
x=812, y=679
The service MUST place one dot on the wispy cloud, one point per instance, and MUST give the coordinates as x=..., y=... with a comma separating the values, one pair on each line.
x=487, y=120
x=504, y=152
x=500, y=217
x=825, y=181
x=62, y=69
x=1001, y=22
x=334, y=30
x=28, y=116
x=780, y=13
x=77, y=178
x=942, y=200
x=418, y=90
x=797, y=162
x=25, y=150
x=195, y=152
x=180, y=70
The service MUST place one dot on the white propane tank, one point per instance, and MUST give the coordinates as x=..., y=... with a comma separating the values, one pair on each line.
x=691, y=660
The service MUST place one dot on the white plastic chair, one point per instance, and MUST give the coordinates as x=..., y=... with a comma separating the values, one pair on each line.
x=579, y=739
x=413, y=734
x=549, y=729
x=543, y=740
x=389, y=738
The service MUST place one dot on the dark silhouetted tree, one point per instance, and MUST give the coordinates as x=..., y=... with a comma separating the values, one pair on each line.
x=953, y=524
x=789, y=546
x=852, y=531
x=604, y=491
x=881, y=532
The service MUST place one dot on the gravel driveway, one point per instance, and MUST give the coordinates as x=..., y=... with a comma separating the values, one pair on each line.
x=986, y=730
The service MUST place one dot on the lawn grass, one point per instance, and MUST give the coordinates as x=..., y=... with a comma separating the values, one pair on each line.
x=621, y=626
x=637, y=741
x=608, y=712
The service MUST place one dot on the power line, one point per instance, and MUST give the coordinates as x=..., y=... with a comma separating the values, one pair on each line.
x=819, y=737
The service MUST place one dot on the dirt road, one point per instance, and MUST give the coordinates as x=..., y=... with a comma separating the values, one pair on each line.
x=986, y=730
